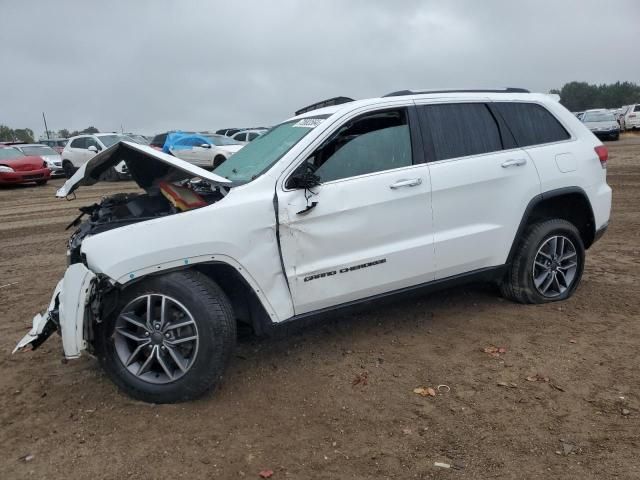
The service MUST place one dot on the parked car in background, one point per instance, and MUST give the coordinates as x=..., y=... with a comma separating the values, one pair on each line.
x=630, y=119
x=18, y=168
x=578, y=114
x=602, y=123
x=245, y=136
x=48, y=154
x=79, y=150
x=140, y=139
x=160, y=139
x=228, y=132
x=207, y=150
x=56, y=143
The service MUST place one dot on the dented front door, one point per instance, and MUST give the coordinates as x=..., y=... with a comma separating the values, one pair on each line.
x=366, y=235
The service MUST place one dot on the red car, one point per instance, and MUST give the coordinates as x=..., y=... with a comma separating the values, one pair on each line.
x=16, y=167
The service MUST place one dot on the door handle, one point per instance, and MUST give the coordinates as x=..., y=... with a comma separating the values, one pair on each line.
x=514, y=163
x=406, y=183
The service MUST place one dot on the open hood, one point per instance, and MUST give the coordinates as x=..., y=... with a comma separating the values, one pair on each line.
x=146, y=165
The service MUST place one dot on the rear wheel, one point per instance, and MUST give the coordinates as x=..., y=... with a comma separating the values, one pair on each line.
x=169, y=338
x=547, y=265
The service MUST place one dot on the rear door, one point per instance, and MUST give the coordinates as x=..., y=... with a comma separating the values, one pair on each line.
x=366, y=229
x=481, y=185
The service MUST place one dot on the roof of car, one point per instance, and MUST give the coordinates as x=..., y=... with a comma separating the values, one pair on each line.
x=403, y=96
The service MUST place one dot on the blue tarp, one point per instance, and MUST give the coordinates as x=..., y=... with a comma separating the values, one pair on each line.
x=183, y=141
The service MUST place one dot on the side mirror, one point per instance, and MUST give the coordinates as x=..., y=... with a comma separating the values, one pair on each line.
x=205, y=145
x=93, y=149
x=303, y=178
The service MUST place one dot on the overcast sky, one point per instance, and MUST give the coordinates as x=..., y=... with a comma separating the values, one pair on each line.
x=151, y=66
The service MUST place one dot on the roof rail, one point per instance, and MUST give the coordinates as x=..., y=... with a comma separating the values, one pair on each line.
x=402, y=93
x=324, y=103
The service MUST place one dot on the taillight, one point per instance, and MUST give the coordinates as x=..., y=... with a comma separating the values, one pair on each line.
x=603, y=155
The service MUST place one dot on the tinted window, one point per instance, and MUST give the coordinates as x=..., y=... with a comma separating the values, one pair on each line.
x=637, y=109
x=253, y=136
x=531, y=124
x=91, y=142
x=460, y=129
x=79, y=143
x=370, y=143
x=158, y=140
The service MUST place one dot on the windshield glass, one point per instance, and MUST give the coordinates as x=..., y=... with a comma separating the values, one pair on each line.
x=598, y=117
x=39, y=150
x=220, y=140
x=258, y=156
x=109, y=140
x=7, y=153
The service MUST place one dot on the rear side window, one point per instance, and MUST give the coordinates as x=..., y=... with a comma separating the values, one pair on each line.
x=637, y=109
x=531, y=124
x=460, y=129
x=158, y=140
x=79, y=143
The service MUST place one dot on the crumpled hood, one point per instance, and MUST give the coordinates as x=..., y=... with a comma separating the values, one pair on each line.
x=146, y=165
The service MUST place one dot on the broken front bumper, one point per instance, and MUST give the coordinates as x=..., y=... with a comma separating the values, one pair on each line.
x=66, y=313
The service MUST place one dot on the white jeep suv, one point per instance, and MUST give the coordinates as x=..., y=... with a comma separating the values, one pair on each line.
x=82, y=148
x=334, y=207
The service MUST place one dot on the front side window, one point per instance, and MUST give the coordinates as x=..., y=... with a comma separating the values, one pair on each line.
x=79, y=143
x=257, y=157
x=370, y=143
x=531, y=124
x=108, y=140
x=92, y=142
x=460, y=129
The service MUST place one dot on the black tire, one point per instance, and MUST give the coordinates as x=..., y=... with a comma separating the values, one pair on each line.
x=216, y=331
x=68, y=168
x=518, y=284
x=219, y=160
x=111, y=175
x=41, y=182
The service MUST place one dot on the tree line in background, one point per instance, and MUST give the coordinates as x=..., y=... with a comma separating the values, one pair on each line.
x=8, y=134
x=580, y=96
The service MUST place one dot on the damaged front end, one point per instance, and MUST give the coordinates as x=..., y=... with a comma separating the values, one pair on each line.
x=78, y=300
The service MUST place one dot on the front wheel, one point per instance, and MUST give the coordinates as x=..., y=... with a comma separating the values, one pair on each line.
x=68, y=168
x=169, y=338
x=41, y=182
x=547, y=265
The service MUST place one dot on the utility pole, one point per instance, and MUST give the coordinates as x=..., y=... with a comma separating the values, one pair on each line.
x=46, y=129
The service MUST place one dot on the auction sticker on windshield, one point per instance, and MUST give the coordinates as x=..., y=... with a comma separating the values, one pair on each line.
x=309, y=122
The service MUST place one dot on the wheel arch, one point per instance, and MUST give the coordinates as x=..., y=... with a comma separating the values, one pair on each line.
x=249, y=303
x=569, y=203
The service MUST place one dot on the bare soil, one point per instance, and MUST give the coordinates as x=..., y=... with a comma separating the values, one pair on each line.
x=337, y=400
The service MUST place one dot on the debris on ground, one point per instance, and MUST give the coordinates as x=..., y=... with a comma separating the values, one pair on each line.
x=625, y=412
x=443, y=388
x=494, y=351
x=541, y=378
x=266, y=473
x=27, y=458
x=441, y=465
x=361, y=379
x=509, y=384
x=425, y=391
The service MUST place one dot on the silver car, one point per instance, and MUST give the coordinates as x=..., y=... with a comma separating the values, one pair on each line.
x=602, y=123
x=48, y=154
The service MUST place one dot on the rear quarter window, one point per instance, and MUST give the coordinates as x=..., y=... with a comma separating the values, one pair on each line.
x=531, y=124
x=637, y=109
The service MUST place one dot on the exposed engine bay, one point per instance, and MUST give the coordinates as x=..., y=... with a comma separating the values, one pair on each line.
x=124, y=209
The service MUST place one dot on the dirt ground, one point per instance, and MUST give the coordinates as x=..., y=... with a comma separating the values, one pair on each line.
x=290, y=404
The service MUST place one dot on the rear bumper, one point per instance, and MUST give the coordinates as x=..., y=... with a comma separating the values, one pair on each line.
x=25, y=176
x=66, y=313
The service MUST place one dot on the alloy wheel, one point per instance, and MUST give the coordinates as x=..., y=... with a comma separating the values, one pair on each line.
x=555, y=266
x=156, y=338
